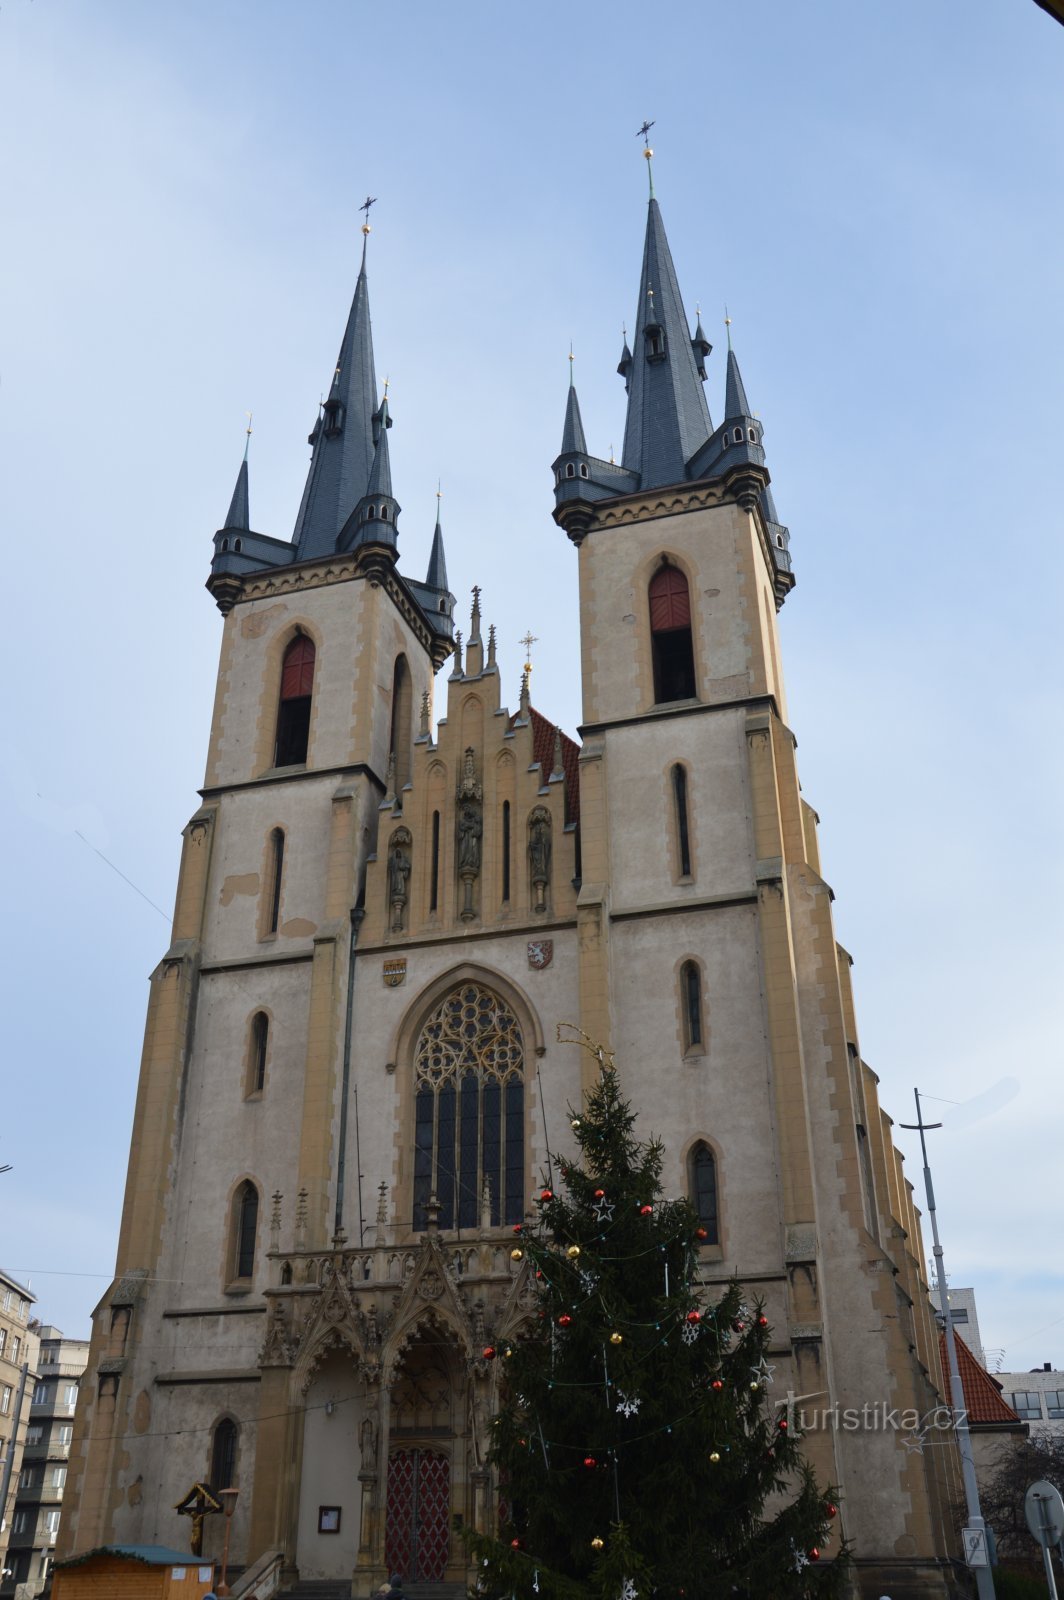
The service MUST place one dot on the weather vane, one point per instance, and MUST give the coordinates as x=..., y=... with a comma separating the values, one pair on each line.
x=644, y=134
x=370, y=200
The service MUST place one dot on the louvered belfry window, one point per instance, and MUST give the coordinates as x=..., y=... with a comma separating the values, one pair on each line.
x=670, y=634
x=293, y=709
x=469, y=1110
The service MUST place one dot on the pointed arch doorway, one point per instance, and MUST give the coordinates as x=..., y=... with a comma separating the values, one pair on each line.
x=421, y=1450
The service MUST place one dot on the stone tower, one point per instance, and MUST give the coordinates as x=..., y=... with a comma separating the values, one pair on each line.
x=390, y=912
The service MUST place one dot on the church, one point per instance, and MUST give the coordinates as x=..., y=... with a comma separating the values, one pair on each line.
x=409, y=920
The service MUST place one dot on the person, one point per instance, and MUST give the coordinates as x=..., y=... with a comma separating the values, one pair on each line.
x=396, y=1590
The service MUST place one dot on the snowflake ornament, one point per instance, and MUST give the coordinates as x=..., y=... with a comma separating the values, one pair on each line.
x=628, y=1589
x=589, y=1280
x=628, y=1405
x=800, y=1558
x=689, y=1332
x=535, y=1581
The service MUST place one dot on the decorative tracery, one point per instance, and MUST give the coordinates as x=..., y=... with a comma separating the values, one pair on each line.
x=469, y=1116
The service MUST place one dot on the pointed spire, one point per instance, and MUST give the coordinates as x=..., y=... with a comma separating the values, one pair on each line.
x=735, y=401
x=436, y=577
x=573, y=441
x=426, y=712
x=343, y=435
x=491, y=647
x=624, y=365
x=700, y=345
x=668, y=419
x=380, y=475
x=456, y=670
x=238, y=515
x=526, y=698
x=558, y=769
x=474, y=620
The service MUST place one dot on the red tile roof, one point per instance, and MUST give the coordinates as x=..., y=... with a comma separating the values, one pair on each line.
x=982, y=1393
x=543, y=752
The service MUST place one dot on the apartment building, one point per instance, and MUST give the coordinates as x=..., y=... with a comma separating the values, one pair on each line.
x=18, y=1364
x=41, y=1482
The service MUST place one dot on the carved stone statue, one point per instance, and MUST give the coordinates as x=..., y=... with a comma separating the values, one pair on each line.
x=470, y=829
x=540, y=851
x=470, y=799
x=399, y=874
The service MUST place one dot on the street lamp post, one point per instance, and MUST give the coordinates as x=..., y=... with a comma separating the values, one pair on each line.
x=976, y=1544
x=228, y=1499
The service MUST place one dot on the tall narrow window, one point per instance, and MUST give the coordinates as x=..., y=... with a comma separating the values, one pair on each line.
x=434, y=897
x=670, y=634
x=273, y=888
x=245, y=1226
x=260, y=1038
x=469, y=1110
x=293, y=709
x=223, y=1455
x=401, y=735
x=691, y=1004
x=703, y=1183
x=505, y=852
x=683, y=831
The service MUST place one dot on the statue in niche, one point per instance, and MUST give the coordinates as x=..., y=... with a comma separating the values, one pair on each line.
x=367, y=1441
x=540, y=851
x=470, y=824
x=399, y=875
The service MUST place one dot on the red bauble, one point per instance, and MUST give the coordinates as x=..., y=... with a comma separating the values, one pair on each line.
x=738, y=1326
x=488, y=1352
x=700, y=1233
x=564, y=1320
x=646, y=1211
x=518, y=1227
x=716, y=1384
x=539, y=1272
x=515, y=1544
x=814, y=1554
x=546, y=1194
x=694, y=1316
x=600, y=1194
x=830, y=1510
x=782, y=1424
x=762, y=1322
x=589, y=1461
x=523, y=1443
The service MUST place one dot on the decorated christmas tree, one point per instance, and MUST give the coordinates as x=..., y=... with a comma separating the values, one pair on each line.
x=637, y=1447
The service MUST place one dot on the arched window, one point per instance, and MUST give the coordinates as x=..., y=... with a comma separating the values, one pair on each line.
x=274, y=880
x=293, y=708
x=469, y=1110
x=258, y=1045
x=223, y=1455
x=683, y=829
x=506, y=852
x=702, y=1179
x=691, y=1007
x=738, y=436
x=244, y=1228
x=670, y=634
x=570, y=470
x=401, y=729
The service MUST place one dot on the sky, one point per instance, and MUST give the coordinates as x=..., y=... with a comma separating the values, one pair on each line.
x=873, y=190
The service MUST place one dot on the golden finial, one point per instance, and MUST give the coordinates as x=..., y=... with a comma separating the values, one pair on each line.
x=439, y=493
x=370, y=200
x=612, y=462
x=247, y=431
x=528, y=641
x=727, y=324
x=387, y=381
x=644, y=133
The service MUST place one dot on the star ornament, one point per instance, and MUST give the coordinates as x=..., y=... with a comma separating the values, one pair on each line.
x=603, y=1210
x=763, y=1372
x=914, y=1442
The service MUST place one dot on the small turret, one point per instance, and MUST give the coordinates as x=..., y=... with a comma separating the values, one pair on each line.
x=701, y=346
x=239, y=515
x=371, y=528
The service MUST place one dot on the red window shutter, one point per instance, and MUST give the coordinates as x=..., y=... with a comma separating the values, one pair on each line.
x=297, y=674
x=670, y=603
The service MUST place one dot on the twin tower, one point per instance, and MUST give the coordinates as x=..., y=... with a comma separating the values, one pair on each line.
x=392, y=911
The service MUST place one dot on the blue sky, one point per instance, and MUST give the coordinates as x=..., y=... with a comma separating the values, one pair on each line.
x=872, y=189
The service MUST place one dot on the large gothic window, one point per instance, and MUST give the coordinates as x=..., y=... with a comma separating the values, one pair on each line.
x=293, y=707
x=670, y=635
x=470, y=1110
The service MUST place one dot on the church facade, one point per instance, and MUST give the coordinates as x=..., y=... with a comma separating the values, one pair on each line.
x=399, y=904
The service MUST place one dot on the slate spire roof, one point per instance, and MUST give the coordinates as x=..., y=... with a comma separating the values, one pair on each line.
x=436, y=576
x=735, y=401
x=573, y=441
x=668, y=418
x=342, y=437
x=239, y=513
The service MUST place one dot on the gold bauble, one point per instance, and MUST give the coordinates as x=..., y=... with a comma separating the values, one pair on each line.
x=616, y=1338
x=597, y=1543
x=573, y=1251
x=517, y=1255
x=715, y=1457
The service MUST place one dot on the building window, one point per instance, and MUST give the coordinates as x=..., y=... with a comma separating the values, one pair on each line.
x=702, y=1178
x=223, y=1455
x=16, y=1350
x=505, y=852
x=293, y=709
x=274, y=880
x=42, y=1394
x=65, y=1435
x=5, y=1399
x=20, y=1522
x=34, y=1433
x=402, y=722
x=51, y=1522
x=257, y=1048
x=57, y=1477
x=1055, y=1403
x=70, y=1395
x=1027, y=1405
x=245, y=1225
x=434, y=894
x=23, y=1309
x=469, y=1110
x=670, y=635
x=583, y=471
x=3, y=1340
x=683, y=830
x=655, y=342
x=26, y=1478
x=691, y=1006
x=570, y=470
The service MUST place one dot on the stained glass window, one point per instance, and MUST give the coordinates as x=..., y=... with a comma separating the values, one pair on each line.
x=469, y=1110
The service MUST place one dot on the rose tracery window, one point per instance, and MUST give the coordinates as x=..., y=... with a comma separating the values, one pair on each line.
x=469, y=1110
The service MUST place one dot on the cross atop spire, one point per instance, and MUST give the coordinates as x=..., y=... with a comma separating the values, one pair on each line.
x=644, y=133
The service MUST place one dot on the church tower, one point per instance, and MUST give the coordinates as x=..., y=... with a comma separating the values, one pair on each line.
x=393, y=906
